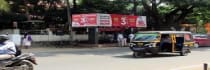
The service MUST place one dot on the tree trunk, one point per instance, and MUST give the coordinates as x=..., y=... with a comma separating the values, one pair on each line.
x=74, y=9
x=134, y=10
x=74, y=4
x=169, y=21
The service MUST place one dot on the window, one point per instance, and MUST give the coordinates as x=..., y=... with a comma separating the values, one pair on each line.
x=146, y=37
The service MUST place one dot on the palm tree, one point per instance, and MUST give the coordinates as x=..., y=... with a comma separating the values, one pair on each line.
x=4, y=6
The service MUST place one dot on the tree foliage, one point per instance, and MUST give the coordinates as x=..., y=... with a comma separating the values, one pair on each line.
x=4, y=6
x=161, y=14
x=102, y=6
x=167, y=13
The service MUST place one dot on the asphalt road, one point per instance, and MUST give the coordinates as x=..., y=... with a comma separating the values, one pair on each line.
x=116, y=59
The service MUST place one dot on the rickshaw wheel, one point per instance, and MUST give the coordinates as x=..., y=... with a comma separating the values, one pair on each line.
x=184, y=52
x=138, y=54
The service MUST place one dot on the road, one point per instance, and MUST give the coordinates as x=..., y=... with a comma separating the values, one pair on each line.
x=115, y=59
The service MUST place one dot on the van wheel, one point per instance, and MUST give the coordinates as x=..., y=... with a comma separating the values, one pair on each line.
x=138, y=54
x=184, y=52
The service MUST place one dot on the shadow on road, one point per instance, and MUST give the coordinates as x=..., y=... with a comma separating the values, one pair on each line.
x=203, y=48
x=148, y=56
x=97, y=51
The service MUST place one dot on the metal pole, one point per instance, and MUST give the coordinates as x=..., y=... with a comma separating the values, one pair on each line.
x=69, y=21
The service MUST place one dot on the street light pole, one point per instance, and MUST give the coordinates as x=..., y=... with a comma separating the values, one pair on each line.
x=69, y=21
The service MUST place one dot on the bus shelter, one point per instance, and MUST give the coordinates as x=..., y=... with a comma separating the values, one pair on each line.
x=96, y=22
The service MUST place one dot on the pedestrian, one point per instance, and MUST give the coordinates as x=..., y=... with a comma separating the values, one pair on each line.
x=120, y=39
x=124, y=41
x=131, y=36
x=165, y=41
x=26, y=40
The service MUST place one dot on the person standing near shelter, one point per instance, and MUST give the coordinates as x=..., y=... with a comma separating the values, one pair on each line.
x=26, y=40
x=131, y=36
x=120, y=39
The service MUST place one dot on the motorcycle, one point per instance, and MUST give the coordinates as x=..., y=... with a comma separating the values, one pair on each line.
x=21, y=62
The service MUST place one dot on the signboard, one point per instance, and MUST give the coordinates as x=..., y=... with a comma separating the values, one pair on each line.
x=104, y=20
x=117, y=20
x=108, y=20
x=84, y=20
x=141, y=21
x=132, y=21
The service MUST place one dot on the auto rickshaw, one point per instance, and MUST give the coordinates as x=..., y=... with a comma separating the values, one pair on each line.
x=155, y=42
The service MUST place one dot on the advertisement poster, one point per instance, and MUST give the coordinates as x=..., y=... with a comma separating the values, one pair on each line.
x=104, y=20
x=84, y=20
x=141, y=21
x=108, y=20
x=119, y=20
x=116, y=20
x=132, y=21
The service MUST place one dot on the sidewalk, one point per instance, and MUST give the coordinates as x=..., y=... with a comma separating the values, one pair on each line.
x=80, y=45
x=51, y=48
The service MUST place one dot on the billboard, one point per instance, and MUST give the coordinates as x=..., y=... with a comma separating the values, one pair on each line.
x=117, y=20
x=84, y=20
x=104, y=20
x=108, y=20
x=141, y=21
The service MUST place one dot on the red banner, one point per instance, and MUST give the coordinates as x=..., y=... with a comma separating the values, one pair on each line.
x=116, y=20
x=132, y=21
x=84, y=20
x=108, y=20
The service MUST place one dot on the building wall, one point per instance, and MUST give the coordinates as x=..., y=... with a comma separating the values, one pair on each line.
x=38, y=38
x=48, y=37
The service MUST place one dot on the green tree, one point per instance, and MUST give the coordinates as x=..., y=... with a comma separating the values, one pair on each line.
x=103, y=6
x=4, y=6
x=200, y=27
x=167, y=13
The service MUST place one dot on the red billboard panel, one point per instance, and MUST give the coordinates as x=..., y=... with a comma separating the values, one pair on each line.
x=116, y=20
x=131, y=21
x=84, y=20
x=108, y=20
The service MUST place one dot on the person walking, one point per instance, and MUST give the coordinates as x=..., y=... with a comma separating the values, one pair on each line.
x=26, y=40
x=120, y=39
x=131, y=36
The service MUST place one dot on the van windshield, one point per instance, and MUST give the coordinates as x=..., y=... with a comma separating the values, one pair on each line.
x=146, y=36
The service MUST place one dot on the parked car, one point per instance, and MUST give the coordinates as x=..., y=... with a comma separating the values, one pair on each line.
x=201, y=40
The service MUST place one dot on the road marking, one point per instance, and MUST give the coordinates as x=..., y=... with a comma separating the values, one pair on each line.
x=188, y=67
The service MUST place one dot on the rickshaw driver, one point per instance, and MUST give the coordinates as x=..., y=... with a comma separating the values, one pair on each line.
x=166, y=41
